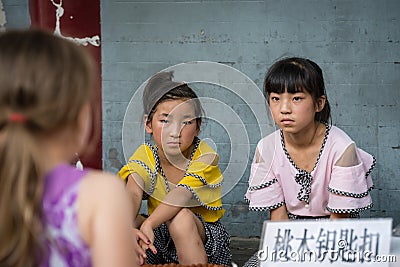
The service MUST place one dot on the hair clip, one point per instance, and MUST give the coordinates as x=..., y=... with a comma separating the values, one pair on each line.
x=17, y=117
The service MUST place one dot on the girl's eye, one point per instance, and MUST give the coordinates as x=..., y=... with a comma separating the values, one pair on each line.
x=187, y=122
x=164, y=121
x=274, y=98
x=297, y=98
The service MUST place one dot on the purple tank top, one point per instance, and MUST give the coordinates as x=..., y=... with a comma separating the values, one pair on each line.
x=65, y=244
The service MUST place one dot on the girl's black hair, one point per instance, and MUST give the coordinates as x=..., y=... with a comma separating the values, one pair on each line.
x=296, y=74
x=161, y=87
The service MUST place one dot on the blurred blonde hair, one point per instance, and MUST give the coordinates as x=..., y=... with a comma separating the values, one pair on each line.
x=46, y=80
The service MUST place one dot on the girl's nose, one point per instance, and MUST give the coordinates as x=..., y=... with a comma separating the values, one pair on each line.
x=285, y=107
x=175, y=130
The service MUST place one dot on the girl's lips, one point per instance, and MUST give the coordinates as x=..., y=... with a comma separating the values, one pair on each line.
x=287, y=121
x=173, y=143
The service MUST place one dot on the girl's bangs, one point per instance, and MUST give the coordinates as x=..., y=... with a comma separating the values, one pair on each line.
x=289, y=78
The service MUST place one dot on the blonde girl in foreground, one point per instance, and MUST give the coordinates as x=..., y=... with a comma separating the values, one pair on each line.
x=51, y=213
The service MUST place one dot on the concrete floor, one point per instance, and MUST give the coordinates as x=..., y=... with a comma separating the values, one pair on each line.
x=243, y=248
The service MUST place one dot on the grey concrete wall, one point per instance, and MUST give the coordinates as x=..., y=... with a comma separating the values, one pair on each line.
x=356, y=42
x=16, y=14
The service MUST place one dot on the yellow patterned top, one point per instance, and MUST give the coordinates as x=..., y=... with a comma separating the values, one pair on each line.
x=200, y=178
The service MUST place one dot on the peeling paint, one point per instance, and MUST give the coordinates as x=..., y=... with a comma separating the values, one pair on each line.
x=95, y=40
x=239, y=208
x=113, y=164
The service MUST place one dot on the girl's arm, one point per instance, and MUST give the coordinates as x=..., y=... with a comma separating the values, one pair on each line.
x=177, y=198
x=348, y=159
x=167, y=209
x=339, y=215
x=134, y=186
x=279, y=214
x=105, y=221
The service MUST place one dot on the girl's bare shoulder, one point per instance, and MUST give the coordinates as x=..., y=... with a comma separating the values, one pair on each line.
x=100, y=183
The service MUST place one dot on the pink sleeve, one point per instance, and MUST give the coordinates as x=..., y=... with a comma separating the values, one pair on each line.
x=350, y=186
x=264, y=191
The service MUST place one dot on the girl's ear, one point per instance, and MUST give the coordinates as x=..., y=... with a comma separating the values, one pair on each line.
x=147, y=124
x=198, y=125
x=320, y=103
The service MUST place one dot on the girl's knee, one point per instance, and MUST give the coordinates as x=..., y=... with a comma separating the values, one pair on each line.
x=184, y=221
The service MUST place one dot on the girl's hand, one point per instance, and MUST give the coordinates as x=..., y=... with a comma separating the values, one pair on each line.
x=140, y=252
x=279, y=214
x=147, y=231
